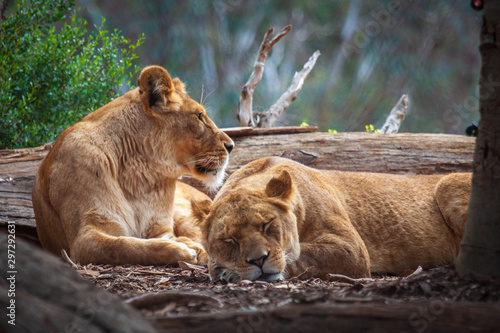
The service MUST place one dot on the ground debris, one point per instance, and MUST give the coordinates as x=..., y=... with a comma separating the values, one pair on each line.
x=441, y=283
x=168, y=291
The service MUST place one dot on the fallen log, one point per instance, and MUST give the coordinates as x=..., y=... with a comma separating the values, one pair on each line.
x=388, y=153
x=354, y=315
x=374, y=152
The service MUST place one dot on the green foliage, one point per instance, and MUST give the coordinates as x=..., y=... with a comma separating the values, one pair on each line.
x=371, y=129
x=52, y=75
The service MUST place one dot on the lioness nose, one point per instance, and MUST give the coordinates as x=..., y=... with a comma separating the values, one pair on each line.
x=229, y=147
x=258, y=262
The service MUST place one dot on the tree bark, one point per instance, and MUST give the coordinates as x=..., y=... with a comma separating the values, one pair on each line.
x=45, y=295
x=480, y=248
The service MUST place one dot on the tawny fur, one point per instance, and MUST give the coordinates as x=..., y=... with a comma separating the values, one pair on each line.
x=105, y=192
x=293, y=220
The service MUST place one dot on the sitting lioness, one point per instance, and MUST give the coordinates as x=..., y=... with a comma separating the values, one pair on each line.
x=105, y=192
x=275, y=218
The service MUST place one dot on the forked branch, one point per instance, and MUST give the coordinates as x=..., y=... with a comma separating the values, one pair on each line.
x=246, y=97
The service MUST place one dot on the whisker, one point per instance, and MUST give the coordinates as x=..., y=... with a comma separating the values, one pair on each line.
x=204, y=98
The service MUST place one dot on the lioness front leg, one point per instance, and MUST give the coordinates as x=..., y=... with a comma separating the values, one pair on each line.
x=166, y=233
x=331, y=254
x=94, y=246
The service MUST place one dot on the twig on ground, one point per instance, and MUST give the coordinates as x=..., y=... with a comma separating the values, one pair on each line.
x=301, y=274
x=68, y=260
x=416, y=272
x=346, y=279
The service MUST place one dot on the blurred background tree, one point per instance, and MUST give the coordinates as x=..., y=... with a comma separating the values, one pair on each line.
x=372, y=53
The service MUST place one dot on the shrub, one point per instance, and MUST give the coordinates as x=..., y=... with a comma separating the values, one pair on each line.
x=53, y=74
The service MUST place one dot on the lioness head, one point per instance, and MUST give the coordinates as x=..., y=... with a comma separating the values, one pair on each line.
x=200, y=149
x=251, y=233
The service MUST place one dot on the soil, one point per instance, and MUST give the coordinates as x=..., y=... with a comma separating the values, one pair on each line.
x=170, y=292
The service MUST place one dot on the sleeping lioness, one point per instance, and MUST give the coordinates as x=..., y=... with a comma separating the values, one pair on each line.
x=275, y=218
x=105, y=192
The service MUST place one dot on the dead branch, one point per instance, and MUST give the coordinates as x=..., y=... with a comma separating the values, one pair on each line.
x=269, y=118
x=302, y=274
x=344, y=278
x=245, y=105
x=396, y=116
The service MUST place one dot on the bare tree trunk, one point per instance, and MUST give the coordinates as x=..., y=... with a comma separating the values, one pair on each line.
x=480, y=249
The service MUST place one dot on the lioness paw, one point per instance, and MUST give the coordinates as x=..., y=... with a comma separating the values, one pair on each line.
x=202, y=258
x=201, y=255
x=186, y=254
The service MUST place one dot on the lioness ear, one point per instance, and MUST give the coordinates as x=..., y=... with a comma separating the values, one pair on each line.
x=280, y=186
x=155, y=86
x=179, y=85
x=200, y=209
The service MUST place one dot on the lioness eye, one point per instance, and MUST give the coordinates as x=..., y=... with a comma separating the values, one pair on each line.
x=230, y=240
x=266, y=226
x=199, y=116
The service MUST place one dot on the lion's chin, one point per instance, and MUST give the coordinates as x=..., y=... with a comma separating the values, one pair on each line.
x=212, y=178
x=259, y=275
x=270, y=277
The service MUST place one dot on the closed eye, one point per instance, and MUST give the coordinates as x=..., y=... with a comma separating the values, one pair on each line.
x=231, y=241
x=266, y=226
